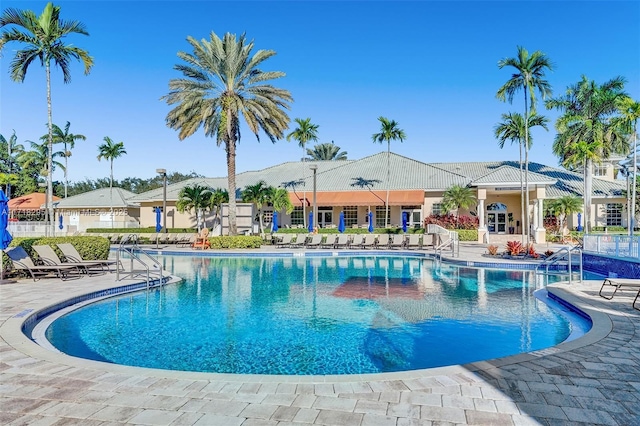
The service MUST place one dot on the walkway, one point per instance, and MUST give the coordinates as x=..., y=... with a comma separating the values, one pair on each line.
x=592, y=380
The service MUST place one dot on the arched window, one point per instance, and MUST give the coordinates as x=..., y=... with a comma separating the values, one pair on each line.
x=497, y=207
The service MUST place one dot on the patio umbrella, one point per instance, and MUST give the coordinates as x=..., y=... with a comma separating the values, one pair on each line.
x=60, y=224
x=274, y=222
x=341, y=223
x=310, y=221
x=158, y=225
x=370, y=221
x=5, y=236
x=404, y=222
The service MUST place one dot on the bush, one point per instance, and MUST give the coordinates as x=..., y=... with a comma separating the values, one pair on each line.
x=492, y=249
x=467, y=234
x=450, y=221
x=237, y=242
x=515, y=248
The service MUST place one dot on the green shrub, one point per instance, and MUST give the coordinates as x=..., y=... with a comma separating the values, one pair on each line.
x=90, y=248
x=467, y=234
x=238, y=242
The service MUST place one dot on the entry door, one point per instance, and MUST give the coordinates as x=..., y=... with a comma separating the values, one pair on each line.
x=414, y=218
x=325, y=217
x=497, y=223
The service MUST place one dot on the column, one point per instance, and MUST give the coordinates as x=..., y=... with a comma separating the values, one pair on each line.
x=483, y=235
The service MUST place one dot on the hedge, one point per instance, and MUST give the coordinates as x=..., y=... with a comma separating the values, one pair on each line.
x=237, y=242
x=467, y=234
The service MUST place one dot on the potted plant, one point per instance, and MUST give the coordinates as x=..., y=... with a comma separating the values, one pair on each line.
x=510, y=219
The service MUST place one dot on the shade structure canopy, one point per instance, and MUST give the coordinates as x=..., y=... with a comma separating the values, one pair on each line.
x=310, y=222
x=158, y=218
x=341, y=223
x=370, y=221
x=274, y=222
x=404, y=221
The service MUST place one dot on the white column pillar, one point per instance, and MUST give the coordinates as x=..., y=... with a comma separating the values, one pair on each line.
x=481, y=215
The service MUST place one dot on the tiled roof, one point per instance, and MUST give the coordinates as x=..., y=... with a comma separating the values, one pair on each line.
x=506, y=175
x=98, y=198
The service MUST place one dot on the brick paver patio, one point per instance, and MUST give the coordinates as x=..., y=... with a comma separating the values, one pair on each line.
x=591, y=380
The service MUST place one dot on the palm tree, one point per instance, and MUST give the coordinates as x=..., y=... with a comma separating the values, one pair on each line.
x=512, y=128
x=458, y=197
x=528, y=76
x=326, y=152
x=259, y=195
x=223, y=82
x=218, y=197
x=563, y=207
x=38, y=158
x=279, y=199
x=304, y=133
x=63, y=136
x=589, y=118
x=389, y=132
x=195, y=197
x=13, y=150
x=110, y=151
x=628, y=121
x=44, y=39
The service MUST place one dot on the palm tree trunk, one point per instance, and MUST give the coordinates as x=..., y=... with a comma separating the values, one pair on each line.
x=386, y=204
x=304, y=189
x=231, y=178
x=66, y=167
x=588, y=185
x=50, y=153
x=111, y=195
x=635, y=173
x=521, y=195
x=526, y=163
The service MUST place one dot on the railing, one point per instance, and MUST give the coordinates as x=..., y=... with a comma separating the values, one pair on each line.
x=452, y=240
x=565, y=254
x=613, y=245
x=129, y=246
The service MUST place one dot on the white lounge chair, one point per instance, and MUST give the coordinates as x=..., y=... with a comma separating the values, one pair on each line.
x=619, y=283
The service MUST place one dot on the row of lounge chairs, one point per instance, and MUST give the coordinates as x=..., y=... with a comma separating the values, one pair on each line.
x=48, y=263
x=351, y=241
x=179, y=239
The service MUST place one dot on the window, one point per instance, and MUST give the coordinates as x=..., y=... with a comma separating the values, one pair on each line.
x=267, y=216
x=350, y=216
x=380, y=216
x=600, y=171
x=614, y=214
x=437, y=209
x=297, y=216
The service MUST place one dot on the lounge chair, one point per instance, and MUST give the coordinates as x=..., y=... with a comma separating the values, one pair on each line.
x=300, y=241
x=22, y=262
x=72, y=255
x=414, y=241
x=315, y=241
x=330, y=241
x=356, y=241
x=49, y=257
x=186, y=240
x=383, y=241
x=202, y=240
x=369, y=241
x=342, y=241
x=397, y=241
x=282, y=240
x=621, y=282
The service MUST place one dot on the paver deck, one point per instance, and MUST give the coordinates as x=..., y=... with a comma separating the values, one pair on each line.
x=591, y=380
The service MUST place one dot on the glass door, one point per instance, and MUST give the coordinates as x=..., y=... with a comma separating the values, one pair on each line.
x=325, y=217
x=501, y=223
x=491, y=222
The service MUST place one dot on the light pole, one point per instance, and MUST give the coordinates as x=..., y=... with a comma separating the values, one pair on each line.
x=314, y=167
x=163, y=173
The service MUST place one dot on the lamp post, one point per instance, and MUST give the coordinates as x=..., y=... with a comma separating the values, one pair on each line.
x=314, y=167
x=163, y=173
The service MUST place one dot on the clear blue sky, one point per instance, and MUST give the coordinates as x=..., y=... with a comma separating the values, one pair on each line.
x=431, y=66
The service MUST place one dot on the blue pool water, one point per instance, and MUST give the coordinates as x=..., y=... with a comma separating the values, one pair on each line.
x=302, y=316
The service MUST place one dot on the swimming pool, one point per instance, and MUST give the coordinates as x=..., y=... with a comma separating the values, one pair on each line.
x=308, y=315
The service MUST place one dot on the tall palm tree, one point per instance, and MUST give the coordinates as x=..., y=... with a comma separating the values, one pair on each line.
x=66, y=138
x=13, y=150
x=589, y=110
x=222, y=82
x=259, y=195
x=528, y=76
x=110, y=151
x=195, y=197
x=304, y=133
x=279, y=199
x=43, y=37
x=458, y=197
x=389, y=131
x=629, y=110
x=326, y=152
x=512, y=128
